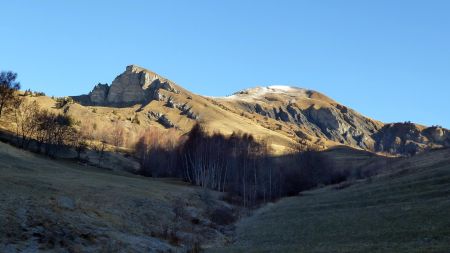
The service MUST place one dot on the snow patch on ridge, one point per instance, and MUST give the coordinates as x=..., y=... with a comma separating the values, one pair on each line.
x=259, y=92
x=281, y=87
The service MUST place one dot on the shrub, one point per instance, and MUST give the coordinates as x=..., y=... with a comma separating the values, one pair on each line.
x=223, y=216
x=62, y=101
x=136, y=120
x=39, y=94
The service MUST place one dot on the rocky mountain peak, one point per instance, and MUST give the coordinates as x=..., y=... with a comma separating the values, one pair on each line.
x=136, y=85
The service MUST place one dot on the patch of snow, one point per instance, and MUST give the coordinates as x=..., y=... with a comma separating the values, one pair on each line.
x=260, y=92
x=281, y=87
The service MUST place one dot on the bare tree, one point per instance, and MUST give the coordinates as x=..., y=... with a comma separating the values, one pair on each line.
x=117, y=134
x=157, y=151
x=235, y=164
x=25, y=116
x=79, y=143
x=54, y=131
x=8, y=89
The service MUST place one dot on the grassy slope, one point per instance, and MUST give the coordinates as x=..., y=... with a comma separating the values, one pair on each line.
x=404, y=210
x=214, y=118
x=114, y=210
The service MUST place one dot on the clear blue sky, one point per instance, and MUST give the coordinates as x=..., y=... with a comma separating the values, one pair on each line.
x=389, y=60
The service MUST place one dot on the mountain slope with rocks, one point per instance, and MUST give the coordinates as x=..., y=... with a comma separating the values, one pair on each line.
x=283, y=116
x=314, y=116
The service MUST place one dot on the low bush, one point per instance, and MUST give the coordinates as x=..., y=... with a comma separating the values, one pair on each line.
x=223, y=216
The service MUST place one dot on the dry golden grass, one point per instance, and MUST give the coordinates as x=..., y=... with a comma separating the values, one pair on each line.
x=212, y=117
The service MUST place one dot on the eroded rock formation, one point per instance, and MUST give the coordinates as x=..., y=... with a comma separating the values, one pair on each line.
x=134, y=86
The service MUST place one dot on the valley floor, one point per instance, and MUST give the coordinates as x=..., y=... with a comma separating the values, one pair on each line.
x=407, y=209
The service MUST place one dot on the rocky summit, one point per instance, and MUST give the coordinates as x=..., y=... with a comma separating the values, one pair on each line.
x=134, y=86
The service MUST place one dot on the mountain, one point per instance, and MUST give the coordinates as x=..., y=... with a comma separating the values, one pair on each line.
x=316, y=117
x=283, y=116
x=307, y=114
x=77, y=205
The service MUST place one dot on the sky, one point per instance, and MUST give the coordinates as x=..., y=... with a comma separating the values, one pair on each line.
x=389, y=60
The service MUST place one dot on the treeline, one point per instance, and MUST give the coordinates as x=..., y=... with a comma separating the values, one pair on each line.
x=236, y=164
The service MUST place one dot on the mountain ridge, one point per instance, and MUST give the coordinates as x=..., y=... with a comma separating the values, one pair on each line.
x=283, y=115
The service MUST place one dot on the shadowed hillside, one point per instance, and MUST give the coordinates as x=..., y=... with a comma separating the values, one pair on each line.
x=58, y=206
x=405, y=209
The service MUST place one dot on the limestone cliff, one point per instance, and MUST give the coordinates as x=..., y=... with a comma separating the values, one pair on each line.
x=134, y=86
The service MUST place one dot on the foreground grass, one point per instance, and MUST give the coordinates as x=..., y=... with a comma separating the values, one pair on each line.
x=405, y=210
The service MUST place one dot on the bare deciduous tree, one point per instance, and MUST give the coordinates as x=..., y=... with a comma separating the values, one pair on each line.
x=54, y=131
x=157, y=151
x=8, y=89
x=25, y=116
x=117, y=134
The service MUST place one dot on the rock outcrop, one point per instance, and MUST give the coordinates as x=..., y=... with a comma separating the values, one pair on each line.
x=184, y=108
x=98, y=95
x=161, y=119
x=409, y=138
x=134, y=86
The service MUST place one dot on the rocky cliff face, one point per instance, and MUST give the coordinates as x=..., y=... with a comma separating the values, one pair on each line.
x=314, y=115
x=408, y=138
x=309, y=113
x=99, y=94
x=134, y=86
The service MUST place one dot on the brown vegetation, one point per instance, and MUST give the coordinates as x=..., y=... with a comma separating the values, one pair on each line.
x=8, y=89
x=236, y=164
x=46, y=130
